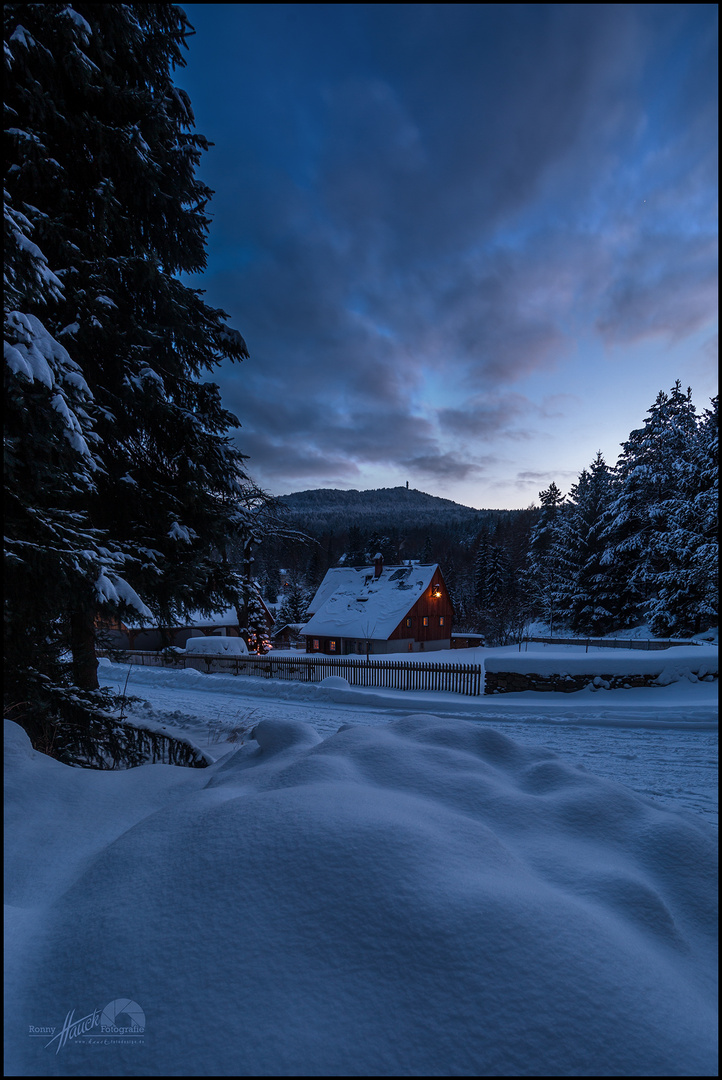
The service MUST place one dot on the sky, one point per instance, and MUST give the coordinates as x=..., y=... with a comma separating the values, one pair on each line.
x=466, y=244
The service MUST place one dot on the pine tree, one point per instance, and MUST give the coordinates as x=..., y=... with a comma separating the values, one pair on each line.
x=272, y=586
x=251, y=614
x=503, y=617
x=454, y=586
x=356, y=552
x=122, y=216
x=427, y=552
x=314, y=569
x=481, y=569
x=51, y=461
x=294, y=606
x=703, y=503
x=686, y=578
x=543, y=576
x=705, y=561
x=586, y=599
x=104, y=213
x=498, y=577
x=648, y=480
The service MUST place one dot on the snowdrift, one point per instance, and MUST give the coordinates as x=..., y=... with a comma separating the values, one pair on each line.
x=427, y=897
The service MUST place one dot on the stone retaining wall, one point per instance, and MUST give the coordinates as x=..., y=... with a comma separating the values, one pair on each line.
x=514, y=682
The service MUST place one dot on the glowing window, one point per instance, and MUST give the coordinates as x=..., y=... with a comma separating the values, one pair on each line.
x=441, y=620
x=316, y=643
x=332, y=646
x=408, y=622
x=426, y=620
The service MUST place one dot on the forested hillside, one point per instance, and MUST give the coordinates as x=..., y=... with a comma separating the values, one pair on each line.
x=374, y=508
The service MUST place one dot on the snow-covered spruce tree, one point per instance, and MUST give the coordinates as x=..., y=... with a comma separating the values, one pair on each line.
x=638, y=526
x=481, y=569
x=687, y=551
x=587, y=602
x=293, y=607
x=500, y=614
x=543, y=576
x=100, y=179
x=271, y=585
x=252, y=618
x=50, y=467
x=703, y=494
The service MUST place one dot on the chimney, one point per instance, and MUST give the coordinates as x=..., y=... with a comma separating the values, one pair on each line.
x=378, y=564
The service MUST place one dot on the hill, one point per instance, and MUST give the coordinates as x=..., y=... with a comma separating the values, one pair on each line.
x=328, y=509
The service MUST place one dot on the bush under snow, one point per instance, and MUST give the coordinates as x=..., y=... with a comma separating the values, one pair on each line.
x=217, y=646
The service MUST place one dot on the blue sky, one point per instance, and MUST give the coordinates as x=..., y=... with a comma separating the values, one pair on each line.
x=466, y=244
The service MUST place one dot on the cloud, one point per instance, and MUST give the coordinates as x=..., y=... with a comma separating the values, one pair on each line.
x=486, y=417
x=273, y=458
x=666, y=286
x=442, y=466
x=528, y=478
x=453, y=189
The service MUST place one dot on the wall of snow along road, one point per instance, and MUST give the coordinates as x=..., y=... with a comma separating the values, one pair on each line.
x=562, y=670
x=425, y=897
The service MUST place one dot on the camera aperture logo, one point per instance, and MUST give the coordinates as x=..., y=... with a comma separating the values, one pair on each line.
x=121, y=1021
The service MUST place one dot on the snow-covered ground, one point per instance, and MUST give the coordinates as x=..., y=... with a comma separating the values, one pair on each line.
x=372, y=883
x=661, y=741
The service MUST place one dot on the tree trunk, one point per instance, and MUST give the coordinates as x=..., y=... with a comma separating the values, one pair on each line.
x=82, y=645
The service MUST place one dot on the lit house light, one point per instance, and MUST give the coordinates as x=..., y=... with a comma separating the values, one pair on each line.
x=436, y=590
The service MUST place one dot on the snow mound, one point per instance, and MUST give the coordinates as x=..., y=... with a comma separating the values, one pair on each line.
x=17, y=745
x=335, y=682
x=427, y=897
x=217, y=646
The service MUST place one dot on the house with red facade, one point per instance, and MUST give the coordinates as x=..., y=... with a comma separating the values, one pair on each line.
x=380, y=609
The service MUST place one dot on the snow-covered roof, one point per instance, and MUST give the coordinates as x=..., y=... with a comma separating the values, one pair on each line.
x=228, y=617
x=352, y=602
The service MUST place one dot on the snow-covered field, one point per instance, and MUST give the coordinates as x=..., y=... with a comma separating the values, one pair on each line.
x=373, y=883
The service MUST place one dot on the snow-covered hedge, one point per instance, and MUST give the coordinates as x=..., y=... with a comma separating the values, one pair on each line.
x=217, y=646
x=700, y=660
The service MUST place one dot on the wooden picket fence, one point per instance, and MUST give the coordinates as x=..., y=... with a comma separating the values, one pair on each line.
x=394, y=674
